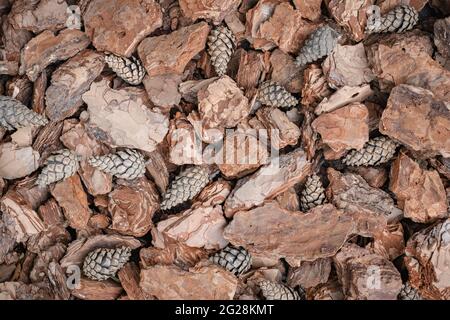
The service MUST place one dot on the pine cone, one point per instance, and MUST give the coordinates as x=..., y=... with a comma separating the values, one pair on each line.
x=318, y=45
x=221, y=44
x=58, y=166
x=400, y=19
x=188, y=184
x=275, y=291
x=130, y=70
x=408, y=293
x=376, y=151
x=235, y=260
x=15, y=115
x=274, y=95
x=313, y=193
x=103, y=263
x=128, y=164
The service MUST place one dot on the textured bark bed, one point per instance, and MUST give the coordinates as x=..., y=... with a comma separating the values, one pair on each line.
x=224, y=149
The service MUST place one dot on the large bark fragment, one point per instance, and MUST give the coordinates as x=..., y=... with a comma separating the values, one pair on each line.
x=427, y=261
x=163, y=90
x=120, y=118
x=170, y=53
x=16, y=162
x=200, y=228
x=119, y=25
x=132, y=206
x=69, y=82
x=371, y=208
x=418, y=119
x=365, y=275
x=40, y=15
x=97, y=290
x=310, y=273
x=71, y=197
x=274, y=232
x=214, y=10
x=269, y=181
x=345, y=128
x=406, y=59
x=347, y=66
x=203, y=283
x=420, y=193
x=342, y=97
x=46, y=48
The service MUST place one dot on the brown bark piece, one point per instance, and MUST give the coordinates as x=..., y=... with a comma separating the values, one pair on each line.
x=203, y=283
x=97, y=290
x=406, y=59
x=420, y=193
x=347, y=66
x=16, y=162
x=157, y=169
x=253, y=67
x=214, y=10
x=15, y=290
x=376, y=177
x=277, y=233
x=118, y=26
x=13, y=40
x=390, y=243
x=371, y=208
x=269, y=181
x=46, y=48
x=69, y=82
x=289, y=200
x=71, y=197
x=185, y=146
x=351, y=14
x=285, y=71
x=418, y=119
x=222, y=104
x=242, y=153
x=129, y=279
x=286, y=28
x=120, y=118
x=171, y=53
x=310, y=273
x=280, y=129
x=37, y=16
x=132, y=206
x=365, y=275
x=427, y=261
x=442, y=39
x=315, y=86
x=310, y=9
x=345, y=128
x=200, y=228
x=163, y=90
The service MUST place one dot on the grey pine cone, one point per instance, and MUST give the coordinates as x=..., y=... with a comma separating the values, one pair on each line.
x=129, y=69
x=221, y=44
x=275, y=95
x=103, y=263
x=235, y=260
x=313, y=193
x=185, y=186
x=400, y=19
x=409, y=293
x=58, y=166
x=376, y=151
x=126, y=164
x=275, y=291
x=15, y=115
x=318, y=45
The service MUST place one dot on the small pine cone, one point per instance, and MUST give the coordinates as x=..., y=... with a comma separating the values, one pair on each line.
x=318, y=45
x=235, y=260
x=274, y=95
x=128, y=164
x=409, y=293
x=376, y=151
x=15, y=115
x=103, y=263
x=313, y=193
x=221, y=44
x=400, y=19
x=58, y=166
x=130, y=70
x=275, y=291
x=188, y=184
